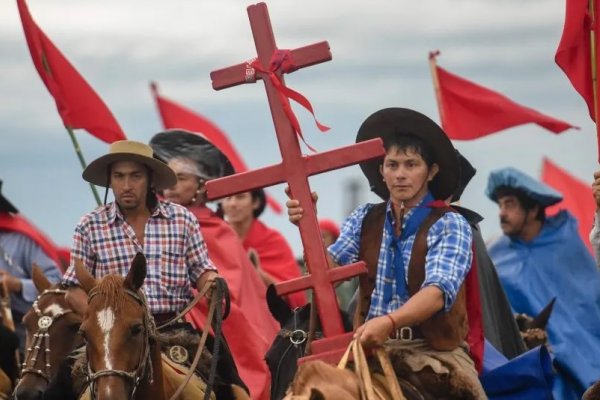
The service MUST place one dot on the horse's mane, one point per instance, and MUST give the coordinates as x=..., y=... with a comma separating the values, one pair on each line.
x=112, y=292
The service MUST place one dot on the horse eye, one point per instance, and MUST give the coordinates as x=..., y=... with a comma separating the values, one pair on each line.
x=74, y=328
x=136, y=329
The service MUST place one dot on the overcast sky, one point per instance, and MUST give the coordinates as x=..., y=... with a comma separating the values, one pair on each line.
x=379, y=60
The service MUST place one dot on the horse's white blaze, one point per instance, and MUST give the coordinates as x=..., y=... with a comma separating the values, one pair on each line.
x=54, y=309
x=106, y=321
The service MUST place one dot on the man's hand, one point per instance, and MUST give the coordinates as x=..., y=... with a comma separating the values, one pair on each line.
x=596, y=189
x=295, y=212
x=207, y=277
x=374, y=332
x=13, y=284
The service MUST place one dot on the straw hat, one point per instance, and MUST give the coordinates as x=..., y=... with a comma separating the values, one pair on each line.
x=130, y=150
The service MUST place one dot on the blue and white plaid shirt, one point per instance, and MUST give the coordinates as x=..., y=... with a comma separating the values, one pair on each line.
x=175, y=251
x=447, y=262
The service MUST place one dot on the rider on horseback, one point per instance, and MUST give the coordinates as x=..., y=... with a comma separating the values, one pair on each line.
x=417, y=250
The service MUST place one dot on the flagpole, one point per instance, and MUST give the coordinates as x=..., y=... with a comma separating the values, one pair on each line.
x=436, y=83
x=593, y=7
x=82, y=161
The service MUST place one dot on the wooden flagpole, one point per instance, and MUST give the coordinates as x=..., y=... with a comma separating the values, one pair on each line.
x=82, y=161
x=594, y=43
x=436, y=83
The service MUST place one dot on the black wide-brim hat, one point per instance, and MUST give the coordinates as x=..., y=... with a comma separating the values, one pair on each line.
x=212, y=163
x=6, y=205
x=403, y=121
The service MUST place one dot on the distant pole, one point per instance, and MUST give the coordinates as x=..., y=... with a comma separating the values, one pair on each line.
x=82, y=161
x=436, y=83
x=352, y=195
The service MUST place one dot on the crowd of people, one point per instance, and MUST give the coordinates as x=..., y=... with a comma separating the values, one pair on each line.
x=434, y=296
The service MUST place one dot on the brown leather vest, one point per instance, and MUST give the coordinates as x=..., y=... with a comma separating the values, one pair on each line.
x=443, y=331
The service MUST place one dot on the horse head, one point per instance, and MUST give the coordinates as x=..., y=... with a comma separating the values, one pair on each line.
x=118, y=330
x=51, y=327
x=533, y=330
x=290, y=343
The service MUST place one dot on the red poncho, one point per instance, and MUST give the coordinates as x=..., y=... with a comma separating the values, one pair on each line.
x=18, y=223
x=276, y=257
x=250, y=328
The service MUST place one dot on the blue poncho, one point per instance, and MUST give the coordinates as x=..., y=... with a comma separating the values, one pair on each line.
x=557, y=264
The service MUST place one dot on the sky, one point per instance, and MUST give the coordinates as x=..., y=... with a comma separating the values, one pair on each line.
x=379, y=49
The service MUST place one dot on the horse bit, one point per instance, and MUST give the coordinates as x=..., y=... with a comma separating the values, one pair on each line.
x=42, y=338
x=142, y=368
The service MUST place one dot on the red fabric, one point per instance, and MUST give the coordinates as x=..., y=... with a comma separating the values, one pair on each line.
x=276, y=257
x=175, y=116
x=18, y=223
x=577, y=198
x=475, y=337
x=250, y=328
x=282, y=60
x=330, y=226
x=574, y=54
x=470, y=111
x=78, y=105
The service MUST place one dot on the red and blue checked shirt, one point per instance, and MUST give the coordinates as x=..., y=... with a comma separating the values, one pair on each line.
x=447, y=262
x=175, y=252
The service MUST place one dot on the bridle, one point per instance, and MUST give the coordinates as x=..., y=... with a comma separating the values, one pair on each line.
x=296, y=337
x=144, y=368
x=41, y=338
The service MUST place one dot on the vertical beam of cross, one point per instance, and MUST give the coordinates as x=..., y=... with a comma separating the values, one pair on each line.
x=294, y=168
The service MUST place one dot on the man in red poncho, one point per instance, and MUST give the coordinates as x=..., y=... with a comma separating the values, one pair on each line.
x=274, y=259
x=250, y=328
x=21, y=245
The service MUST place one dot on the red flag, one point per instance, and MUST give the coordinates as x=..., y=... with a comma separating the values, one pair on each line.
x=574, y=55
x=78, y=105
x=577, y=195
x=175, y=116
x=470, y=111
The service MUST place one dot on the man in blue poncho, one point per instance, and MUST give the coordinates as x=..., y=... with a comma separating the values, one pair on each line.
x=539, y=258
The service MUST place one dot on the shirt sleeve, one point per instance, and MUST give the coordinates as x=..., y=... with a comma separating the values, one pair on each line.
x=33, y=254
x=345, y=249
x=197, y=259
x=82, y=250
x=595, y=237
x=449, y=257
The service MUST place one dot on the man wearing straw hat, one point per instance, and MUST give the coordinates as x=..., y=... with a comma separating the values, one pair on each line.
x=108, y=238
x=395, y=309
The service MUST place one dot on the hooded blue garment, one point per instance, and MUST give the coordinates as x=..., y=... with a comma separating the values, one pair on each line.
x=557, y=264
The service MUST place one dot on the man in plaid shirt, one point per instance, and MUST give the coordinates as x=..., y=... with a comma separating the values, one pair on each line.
x=420, y=166
x=168, y=235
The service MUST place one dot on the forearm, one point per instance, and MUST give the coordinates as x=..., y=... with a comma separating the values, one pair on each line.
x=595, y=237
x=420, y=307
x=208, y=275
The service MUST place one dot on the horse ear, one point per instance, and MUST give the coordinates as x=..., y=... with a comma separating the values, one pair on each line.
x=278, y=307
x=541, y=320
x=40, y=281
x=315, y=394
x=137, y=273
x=86, y=279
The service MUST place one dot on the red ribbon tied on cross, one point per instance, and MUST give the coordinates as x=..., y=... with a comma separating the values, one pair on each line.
x=282, y=61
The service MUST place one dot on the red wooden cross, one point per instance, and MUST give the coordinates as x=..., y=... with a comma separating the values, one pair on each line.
x=295, y=170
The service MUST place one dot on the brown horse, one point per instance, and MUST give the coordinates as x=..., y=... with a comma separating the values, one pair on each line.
x=123, y=349
x=52, y=329
x=124, y=359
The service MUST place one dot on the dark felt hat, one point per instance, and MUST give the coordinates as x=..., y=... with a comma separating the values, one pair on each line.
x=211, y=162
x=6, y=205
x=403, y=121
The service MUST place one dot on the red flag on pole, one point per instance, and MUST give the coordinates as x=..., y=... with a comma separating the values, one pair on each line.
x=574, y=55
x=470, y=111
x=77, y=103
x=174, y=116
x=577, y=194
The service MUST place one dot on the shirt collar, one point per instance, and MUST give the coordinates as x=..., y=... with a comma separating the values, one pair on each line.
x=114, y=212
x=389, y=211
